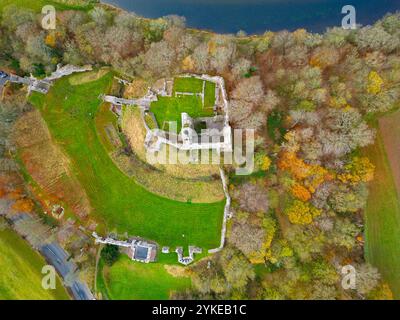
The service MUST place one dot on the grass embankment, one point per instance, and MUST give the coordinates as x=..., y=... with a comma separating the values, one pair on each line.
x=130, y=280
x=189, y=183
x=20, y=276
x=116, y=199
x=382, y=217
x=170, y=108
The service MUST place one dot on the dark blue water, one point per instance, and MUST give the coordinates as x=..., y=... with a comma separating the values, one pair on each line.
x=257, y=16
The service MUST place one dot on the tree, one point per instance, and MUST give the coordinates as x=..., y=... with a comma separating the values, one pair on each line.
x=38, y=51
x=306, y=241
x=349, y=199
x=344, y=131
x=237, y=270
x=324, y=272
x=160, y=58
x=344, y=233
x=100, y=16
x=241, y=67
x=249, y=239
x=252, y=239
x=358, y=170
x=249, y=89
x=110, y=254
x=252, y=197
x=375, y=83
x=324, y=57
x=367, y=278
x=376, y=38
x=302, y=212
x=301, y=193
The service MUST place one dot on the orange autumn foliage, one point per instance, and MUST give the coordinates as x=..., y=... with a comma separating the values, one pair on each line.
x=301, y=192
x=311, y=175
x=296, y=166
x=24, y=205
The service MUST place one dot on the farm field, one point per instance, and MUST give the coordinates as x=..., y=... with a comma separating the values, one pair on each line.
x=170, y=108
x=130, y=280
x=382, y=214
x=117, y=201
x=21, y=267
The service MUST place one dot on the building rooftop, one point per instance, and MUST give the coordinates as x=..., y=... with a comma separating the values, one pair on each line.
x=141, y=253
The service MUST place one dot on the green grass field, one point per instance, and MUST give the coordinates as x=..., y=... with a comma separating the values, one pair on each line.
x=130, y=280
x=188, y=85
x=170, y=108
x=382, y=219
x=37, y=5
x=20, y=276
x=117, y=201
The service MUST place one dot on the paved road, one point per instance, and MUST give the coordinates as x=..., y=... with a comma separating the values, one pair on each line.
x=57, y=256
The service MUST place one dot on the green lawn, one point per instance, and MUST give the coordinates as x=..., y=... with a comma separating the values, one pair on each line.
x=117, y=200
x=37, y=5
x=170, y=108
x=130, y=280
x=382, y=219
x=188, y=85
x=209, y=95
x=20, y=276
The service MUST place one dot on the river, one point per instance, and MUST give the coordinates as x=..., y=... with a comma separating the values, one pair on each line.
x=257, y=16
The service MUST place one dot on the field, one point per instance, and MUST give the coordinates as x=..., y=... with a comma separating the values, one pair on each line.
x=21, y=276
x=37, y=5
x=383, y=215
x=130, y=280
x=117, y=201
x=170, y=108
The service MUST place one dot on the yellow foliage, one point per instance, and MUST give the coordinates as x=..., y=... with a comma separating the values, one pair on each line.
x=263, y=162
x=300, y=35
x=51, y=40
x=359, y=170
x=375, y=83
x=269, y=225
x=338, y=102
x=188, y=63
x=266, y=163
x=302, y=213
x=212, y=47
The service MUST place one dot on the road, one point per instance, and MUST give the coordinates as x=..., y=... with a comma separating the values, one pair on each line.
x=57, y=257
